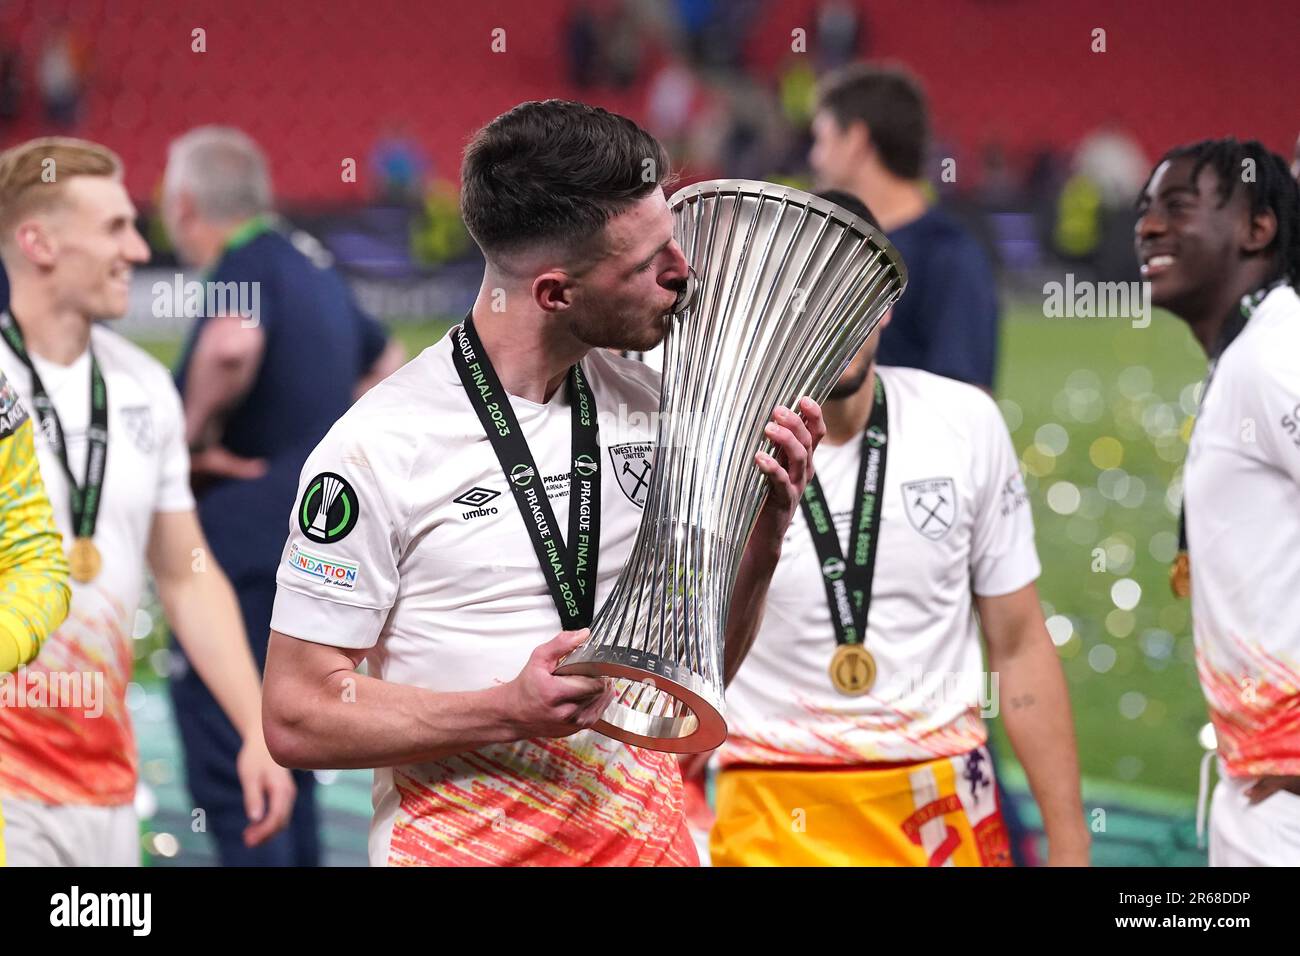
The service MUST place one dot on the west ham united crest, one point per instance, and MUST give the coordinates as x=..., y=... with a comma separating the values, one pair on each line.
x=632, y=463
x=138, y=422
x=931, y=506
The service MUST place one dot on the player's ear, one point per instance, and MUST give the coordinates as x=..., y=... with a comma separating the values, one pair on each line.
x=859, y=135
x=36, y=243
x=1261, y=229
x=186, y=208
x=553, y=291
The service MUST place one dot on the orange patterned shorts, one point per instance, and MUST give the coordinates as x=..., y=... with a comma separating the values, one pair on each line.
x=942, y=812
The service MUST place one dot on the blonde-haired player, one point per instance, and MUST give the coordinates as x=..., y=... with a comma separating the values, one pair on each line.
x=110, y=441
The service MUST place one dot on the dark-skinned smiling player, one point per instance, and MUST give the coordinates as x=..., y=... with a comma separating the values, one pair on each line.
x=1218, y=238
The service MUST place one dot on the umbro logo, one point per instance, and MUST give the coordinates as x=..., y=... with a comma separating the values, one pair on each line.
x=476, y=498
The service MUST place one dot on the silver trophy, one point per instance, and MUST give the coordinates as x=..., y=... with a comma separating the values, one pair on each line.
x=785, y=289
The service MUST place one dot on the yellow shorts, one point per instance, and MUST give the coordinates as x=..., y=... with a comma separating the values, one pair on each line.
x=941, y=812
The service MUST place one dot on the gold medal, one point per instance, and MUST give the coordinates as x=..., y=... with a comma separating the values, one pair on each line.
x=853, y=670
x=1180, y=576
x=84, y=561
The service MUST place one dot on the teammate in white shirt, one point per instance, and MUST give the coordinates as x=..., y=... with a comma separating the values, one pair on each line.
x=409, y=547
x=111, y=450
x=845, y=751
x=1218, y=238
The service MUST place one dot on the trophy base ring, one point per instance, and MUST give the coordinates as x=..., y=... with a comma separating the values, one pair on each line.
x=701, y=729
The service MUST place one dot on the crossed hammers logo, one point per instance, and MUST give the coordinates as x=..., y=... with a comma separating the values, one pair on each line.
x=641, y=479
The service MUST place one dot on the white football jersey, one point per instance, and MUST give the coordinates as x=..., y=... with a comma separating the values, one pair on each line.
x=1242, y=488
x=407, y=540
x=955, y=520
x=87, y=754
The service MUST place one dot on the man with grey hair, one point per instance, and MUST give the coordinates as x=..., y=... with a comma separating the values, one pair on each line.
x=277, y=354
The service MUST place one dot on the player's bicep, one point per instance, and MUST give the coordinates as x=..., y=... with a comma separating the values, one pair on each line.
x=299, y=664
x=300, y=680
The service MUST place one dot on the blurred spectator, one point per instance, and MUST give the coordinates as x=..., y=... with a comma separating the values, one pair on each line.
x=1078, y=218
x=1295, y=159
x=870, y=133
x=1046, y=174
x=717, y=31
x=399, y=166
x=582, y=41
x=670, y=96
x=10, y=82
x=839, y=29
x=59, y=75
x=1112, y=159
x=621, y=48
x=797, y=86
x=998, y=186
x=438, y=235
x=260, y=391
x=1095, y=216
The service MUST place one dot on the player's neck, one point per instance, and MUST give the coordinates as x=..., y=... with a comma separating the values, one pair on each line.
x=530, y=360
x=56, y=334
x=895, y=202
x=1208, y=322
x=847, y=417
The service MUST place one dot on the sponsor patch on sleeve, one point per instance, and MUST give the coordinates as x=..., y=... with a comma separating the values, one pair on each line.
x=12, y=413
x=329, y=508
x=1014, y=494
x=330, y=571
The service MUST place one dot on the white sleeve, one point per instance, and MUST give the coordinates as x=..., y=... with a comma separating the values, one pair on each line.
x=1003, y=557
x=338, y=574
x=173, y=492
x=1275, y=403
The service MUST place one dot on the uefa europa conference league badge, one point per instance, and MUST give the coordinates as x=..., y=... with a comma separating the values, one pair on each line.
x=329, y=508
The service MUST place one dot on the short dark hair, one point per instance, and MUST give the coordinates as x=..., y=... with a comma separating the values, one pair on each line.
x=890, y=101
x=554, y=170
x=1271, y=187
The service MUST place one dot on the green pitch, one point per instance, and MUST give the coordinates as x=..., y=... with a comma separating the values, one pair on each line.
x=1098, y=410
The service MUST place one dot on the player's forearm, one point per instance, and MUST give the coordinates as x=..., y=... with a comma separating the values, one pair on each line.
x=204, y=615
x=212, y=388
x=34, y=604
x=34, y=593
x=1035, y=707
x=34, y=599
x=349, y=720
x=749, y=598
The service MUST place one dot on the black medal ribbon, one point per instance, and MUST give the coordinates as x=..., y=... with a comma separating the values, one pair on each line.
x=848, y=582
x=85, y=496
x=570, y=570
